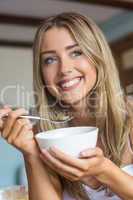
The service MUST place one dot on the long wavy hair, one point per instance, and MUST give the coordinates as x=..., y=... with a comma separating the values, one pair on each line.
x=110, y=109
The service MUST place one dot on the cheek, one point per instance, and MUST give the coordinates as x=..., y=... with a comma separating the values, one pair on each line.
x=49, y=78
x=89, y=72
x=91, y=79
x=91, y=76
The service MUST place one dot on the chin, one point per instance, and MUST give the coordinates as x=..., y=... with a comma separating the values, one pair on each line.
x=72, y=101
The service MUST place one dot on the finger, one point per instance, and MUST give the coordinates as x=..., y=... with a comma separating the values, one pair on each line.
x=68, y=176
x=67, y=159
x=4, y=111
x=59, y=166
x=13, y=115
x=88, y=153
x=49, y=165
x=7, y=106
x=17, y=128
x=94, y=166
x=1, y=124
x=22, y=137
x=26, y=133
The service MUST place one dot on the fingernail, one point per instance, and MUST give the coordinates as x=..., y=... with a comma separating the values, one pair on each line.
x=53, y=148
x=7, y=106
x=83, y=153
x=43, y=151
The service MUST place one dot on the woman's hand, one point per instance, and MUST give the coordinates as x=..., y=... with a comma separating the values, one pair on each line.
x=91, y=163
x=17, y=131
x=3, y=111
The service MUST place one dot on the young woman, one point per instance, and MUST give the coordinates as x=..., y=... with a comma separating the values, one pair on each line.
x=75, y=74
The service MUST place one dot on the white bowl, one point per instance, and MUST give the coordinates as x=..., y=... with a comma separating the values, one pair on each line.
x=71, y=140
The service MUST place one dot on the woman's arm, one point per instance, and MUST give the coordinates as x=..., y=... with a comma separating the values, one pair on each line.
x=117, y=180
x=42, y=184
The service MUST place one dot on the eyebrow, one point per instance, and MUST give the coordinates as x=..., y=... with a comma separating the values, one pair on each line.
x=53, y=51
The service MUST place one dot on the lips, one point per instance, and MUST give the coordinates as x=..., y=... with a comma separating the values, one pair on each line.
x=67, y=80
x=69, y=84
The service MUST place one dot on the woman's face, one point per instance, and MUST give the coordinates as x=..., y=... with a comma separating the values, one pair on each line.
x=67, y=72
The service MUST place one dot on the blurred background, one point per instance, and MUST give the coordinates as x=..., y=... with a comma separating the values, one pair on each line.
x=18, y=23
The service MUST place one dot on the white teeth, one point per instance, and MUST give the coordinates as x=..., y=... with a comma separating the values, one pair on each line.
x=70, y=83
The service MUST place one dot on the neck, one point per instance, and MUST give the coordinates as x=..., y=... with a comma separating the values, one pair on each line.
x=82, y=116
x=79, y=108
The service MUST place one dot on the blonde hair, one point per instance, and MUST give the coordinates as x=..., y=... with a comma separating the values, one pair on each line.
x=109, y=109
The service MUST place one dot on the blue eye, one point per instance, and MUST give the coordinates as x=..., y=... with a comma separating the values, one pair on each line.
x=77, y=53
x=49, y=60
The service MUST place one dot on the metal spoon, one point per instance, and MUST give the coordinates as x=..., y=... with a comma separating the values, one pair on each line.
x=45, y=119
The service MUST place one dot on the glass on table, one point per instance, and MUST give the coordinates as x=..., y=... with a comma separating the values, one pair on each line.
x=14, y=193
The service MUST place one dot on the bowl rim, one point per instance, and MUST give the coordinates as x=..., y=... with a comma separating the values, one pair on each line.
x=48, y=135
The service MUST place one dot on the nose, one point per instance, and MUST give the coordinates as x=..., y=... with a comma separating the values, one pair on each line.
x=66, y=66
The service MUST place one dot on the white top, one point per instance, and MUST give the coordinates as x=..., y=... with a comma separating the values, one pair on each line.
x=101, y=195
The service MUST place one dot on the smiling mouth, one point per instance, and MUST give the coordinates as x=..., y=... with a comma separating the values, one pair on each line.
x=72, y=84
